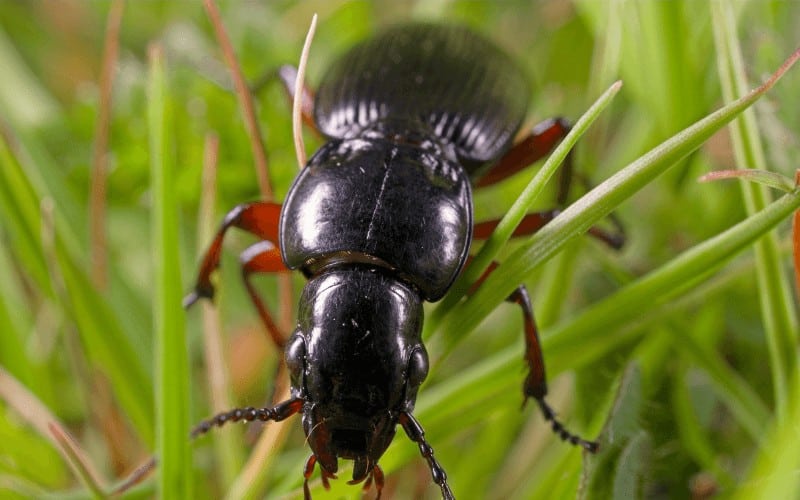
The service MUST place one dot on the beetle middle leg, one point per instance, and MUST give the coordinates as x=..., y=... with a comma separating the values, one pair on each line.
x=534, y=221
x=542, y=139
x=260, y=219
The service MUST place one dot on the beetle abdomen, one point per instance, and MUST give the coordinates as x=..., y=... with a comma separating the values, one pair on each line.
x=465, y=89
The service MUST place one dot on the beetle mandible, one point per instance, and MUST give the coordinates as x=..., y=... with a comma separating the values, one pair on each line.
x=379, y=221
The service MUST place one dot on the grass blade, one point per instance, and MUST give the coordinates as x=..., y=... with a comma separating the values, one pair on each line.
x=598, y=203
x=777, y=308
x=521, y=206
x=172, y=364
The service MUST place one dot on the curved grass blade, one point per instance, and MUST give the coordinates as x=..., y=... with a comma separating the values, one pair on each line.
x=777, y=308
x=520, y=208
x=593, y=206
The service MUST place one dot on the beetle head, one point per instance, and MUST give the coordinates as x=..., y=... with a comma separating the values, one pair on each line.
x=357, y=360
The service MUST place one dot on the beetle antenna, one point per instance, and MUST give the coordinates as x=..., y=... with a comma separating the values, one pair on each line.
x=276, y=413
x=416, y=434
x=563, y=433
x=297, y=102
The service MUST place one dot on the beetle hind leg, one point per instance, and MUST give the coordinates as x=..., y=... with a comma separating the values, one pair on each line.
x=535, y=385
x=538, y=143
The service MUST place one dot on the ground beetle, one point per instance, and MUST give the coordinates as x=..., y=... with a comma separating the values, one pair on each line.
x=380, y=220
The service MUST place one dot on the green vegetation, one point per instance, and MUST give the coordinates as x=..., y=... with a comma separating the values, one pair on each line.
x=679, y=351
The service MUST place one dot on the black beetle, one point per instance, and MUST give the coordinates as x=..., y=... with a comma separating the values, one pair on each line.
x=380, y=220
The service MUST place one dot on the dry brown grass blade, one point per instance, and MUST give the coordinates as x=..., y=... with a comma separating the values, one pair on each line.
x=796, y=239
x=38, y=416
x=137, y=476
x=245, y=100
x=297, y=102
x=97, y=193
x=77, y=459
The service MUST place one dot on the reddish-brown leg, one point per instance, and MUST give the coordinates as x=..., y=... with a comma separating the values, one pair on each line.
x=260, y=258
x=377, y=475
x=308, y=471
x=535, y=385
x=539, y=142
x=260, y=219
x=542, y=138
x=288, y=76
x=416, y=434
x=535, y=221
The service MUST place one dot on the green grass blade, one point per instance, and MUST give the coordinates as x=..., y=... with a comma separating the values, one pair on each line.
x=607, y=325
x=585, y=212
x=622, y=437
x=20, y=214
x=522, y=205
x=774, y=471
x=102, y=336
x=600, y=324
x=172, y=365
x=777, y=306
x=599, y=330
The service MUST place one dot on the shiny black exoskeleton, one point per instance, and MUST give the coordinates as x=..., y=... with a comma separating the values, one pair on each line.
x=379, y=221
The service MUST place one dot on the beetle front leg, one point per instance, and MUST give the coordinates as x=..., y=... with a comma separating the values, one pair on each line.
x=258, y=218
x=262, y=258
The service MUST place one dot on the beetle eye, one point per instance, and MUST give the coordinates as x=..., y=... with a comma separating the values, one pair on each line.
x=296, y=356
x=417, y=367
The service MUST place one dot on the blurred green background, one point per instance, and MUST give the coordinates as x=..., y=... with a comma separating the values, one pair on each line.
x=695, y=365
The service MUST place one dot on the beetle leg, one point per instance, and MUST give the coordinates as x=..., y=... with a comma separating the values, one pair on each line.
x=276, y=413
x=542, y=138
x=535, y=385
x=259, y=218
x=377, y=475
x=308, y=470
x=288, y=75
x=535, y=221
x=415, y=433
x=263, y=257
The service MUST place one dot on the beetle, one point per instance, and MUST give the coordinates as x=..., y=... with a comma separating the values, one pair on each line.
x=379, y=221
